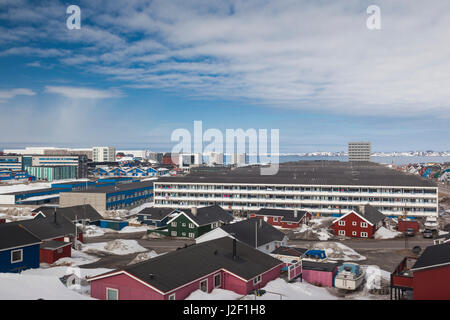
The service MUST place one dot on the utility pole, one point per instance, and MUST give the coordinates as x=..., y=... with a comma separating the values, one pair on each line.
x=76, y=234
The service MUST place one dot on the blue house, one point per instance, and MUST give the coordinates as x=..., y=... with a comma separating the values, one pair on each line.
x=100, y=172
x=157, y=217
x=19, y=248
x=151, y=172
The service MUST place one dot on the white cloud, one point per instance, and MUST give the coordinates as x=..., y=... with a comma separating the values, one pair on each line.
x=11, y=93
x=294, y=54
x=83, y=93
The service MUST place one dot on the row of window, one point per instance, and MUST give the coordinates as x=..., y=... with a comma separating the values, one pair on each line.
x=354, y=223
x=354, y=233
x=183, y=224
x=301, y=189
x=113, y=294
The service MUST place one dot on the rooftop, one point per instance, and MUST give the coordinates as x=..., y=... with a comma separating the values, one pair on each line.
x=247, y=232
x=177, y=268
x=118, y=188
x=309, y=173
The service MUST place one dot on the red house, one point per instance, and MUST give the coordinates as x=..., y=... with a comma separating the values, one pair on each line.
x=404, y=224
x=428, y=278
x=221, y=263
x=359, y=223
x=51, y=251
x=289, y=219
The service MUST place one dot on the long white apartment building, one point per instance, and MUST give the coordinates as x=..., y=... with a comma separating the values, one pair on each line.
x=325, y=187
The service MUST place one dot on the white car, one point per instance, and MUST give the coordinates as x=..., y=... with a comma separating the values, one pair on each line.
x=431, y=223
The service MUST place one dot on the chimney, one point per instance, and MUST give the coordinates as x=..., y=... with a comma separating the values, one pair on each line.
x=194, y=211
x=295, y=213
x=234, y=248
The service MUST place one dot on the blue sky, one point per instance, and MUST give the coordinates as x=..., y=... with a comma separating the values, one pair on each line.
x=137, y=70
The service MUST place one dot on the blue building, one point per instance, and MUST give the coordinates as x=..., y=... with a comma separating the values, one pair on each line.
x=19, y=249
x=157, y=217
x=33, y=197
x=118, y=196
x=13, y=163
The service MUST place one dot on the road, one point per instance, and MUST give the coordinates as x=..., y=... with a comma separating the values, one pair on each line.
x=374, y=244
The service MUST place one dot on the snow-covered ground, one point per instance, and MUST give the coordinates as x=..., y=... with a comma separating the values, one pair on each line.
x=32, y=186
x=145, y=256
x=118, y=247
x=317, y=229
x=78, y=259
x=27, y=286
x=383, y=233
x=275, y=290
x=338, y=251
x=133, y=229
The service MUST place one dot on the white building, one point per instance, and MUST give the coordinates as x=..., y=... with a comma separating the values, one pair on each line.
x=104, y=154
x=216, y=158
x=359, y=151
x=186, y=160
x=239, y=159
x=325, y=187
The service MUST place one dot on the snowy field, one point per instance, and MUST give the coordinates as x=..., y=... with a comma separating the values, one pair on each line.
x=118, y=247
x=383, y=233
x=338, y=251
x=317, y=229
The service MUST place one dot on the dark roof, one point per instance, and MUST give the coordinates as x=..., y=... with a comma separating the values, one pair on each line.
x=53, y=244
x=245, y=230
x=84, y=211
x=433, y=256
x=288, y=215
x=118, y=187
x=12, y=236
x=207, y=215
x=33, y=191
x=371, y=214
x=179, y=267
x=46, y=228
x=290, y=251
x=310, y=173
x=155, y=213
x=319, y=266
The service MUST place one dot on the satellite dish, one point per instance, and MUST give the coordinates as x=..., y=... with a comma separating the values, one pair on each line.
x=416, y=249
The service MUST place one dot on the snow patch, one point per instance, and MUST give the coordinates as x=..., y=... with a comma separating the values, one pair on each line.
x=118, y=247
x=383, y=233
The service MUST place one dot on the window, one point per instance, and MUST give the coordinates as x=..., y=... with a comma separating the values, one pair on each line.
x=112, y=294
x=59, y=250
x=354, y=223
x=191, y=225
x=191, y=235
x=204, y=285
x=354, y=233
x=217, y=280
x=341, y=232
x=173, y=233
x=364, y=234
x=275, y=219
x=16, y=256
x=257, y=280
x=183, y=224
x=341, y=223
x=363, y=224
x=174, y=224
x=172, y=297
x=183, y=234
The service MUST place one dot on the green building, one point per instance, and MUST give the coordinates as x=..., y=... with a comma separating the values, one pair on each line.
x=51, y=173
x=191, y=223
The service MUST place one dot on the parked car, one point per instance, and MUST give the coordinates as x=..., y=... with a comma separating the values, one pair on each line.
x=427, y=234
x=431, y=223
x=409, y=232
